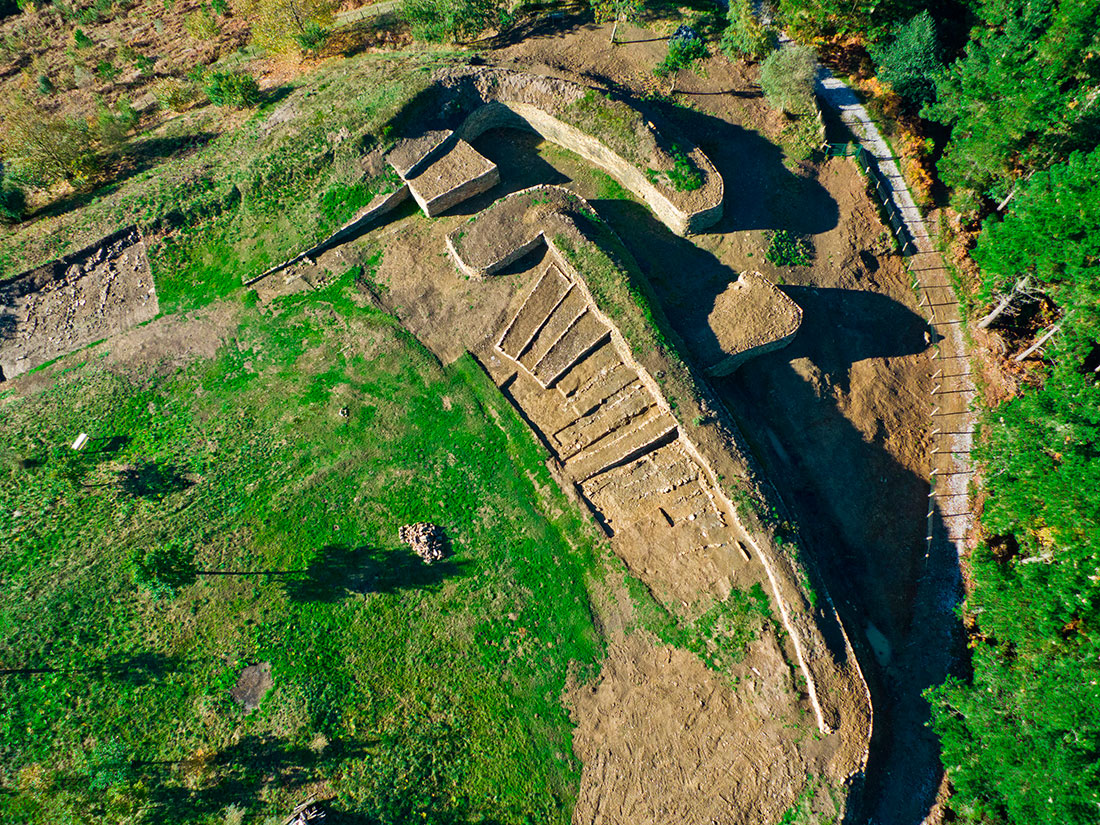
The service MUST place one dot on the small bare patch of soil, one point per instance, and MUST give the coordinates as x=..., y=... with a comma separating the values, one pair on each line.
x=252, y=686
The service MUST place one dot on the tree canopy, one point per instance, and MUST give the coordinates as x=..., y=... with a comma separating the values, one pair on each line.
x=1022, y=96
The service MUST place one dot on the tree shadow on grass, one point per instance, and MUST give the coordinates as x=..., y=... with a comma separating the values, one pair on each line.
x=339, y=570
x=238, y=774
x=147, y=479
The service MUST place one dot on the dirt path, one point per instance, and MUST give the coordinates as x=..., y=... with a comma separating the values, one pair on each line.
x=933, y=639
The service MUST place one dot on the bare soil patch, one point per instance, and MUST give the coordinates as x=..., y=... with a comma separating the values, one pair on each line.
x=69, y=303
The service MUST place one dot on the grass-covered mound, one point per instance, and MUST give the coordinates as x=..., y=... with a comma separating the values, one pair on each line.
x=244, y=510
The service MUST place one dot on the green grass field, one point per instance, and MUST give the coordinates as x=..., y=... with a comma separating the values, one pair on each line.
x=404, y=692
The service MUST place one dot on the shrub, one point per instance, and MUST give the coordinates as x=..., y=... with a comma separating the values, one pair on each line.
x=231, y=89
x=44, y=147
x=174, y=95
x=201, y=25
x=82, y=40
x=277, y=25
x=683, y=176
x=788, y=249
x=115, y=124
x=443, y=20
x=45, y=85
x=312, y=38
x=106, y=70
x=787, y=78
x=910, y=62
x=744, y=37
x=685, y=47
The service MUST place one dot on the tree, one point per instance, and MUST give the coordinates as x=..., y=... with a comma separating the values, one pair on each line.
x=1022, y=97
x=621, y=11
x=1051, y=235
x=42, y=147
x=743, y=36
x=164, y=569
x=1021, y=737
x=280, y=25
x=787, y=78
x=685, y=49
x=910, y=62
x=455, y=20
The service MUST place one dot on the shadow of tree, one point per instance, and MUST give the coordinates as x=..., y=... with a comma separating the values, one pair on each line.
x=339, y=570
x=147, y=479
x=236, y=775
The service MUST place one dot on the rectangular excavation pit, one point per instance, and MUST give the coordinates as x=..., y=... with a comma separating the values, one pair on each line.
x=578, y=341
x=563, y=317
x=75, y=301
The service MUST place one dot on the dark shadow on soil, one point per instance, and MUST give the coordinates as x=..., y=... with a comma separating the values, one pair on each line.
x=862, y=516
x=514, y=152
x=339, y=571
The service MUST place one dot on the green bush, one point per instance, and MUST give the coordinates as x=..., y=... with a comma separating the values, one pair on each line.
x=115, y=124
x=788, y=249
x=82, y=40
x=44, y=147
x=201, y=25
x=787, y=78
x=683, y=176
x=744, y=37
x=910, y=62
x=684, y=50
x=312, y=38
x=278, y=25
x=106, y=70
x=231, y=89
x=440, y=21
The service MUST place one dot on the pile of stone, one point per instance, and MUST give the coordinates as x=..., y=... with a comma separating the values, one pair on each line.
x=426, y=540
x=309, y=812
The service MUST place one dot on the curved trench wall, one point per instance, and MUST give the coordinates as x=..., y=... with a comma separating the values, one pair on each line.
x=488, y=98
x=499, y=114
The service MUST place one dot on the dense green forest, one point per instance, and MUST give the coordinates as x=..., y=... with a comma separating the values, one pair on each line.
x=1014, y=106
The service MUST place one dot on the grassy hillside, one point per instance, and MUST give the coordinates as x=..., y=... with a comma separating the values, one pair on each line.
x=231, y=513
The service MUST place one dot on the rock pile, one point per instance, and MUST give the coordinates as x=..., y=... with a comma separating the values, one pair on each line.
x=309, y=812
x=426, y=540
